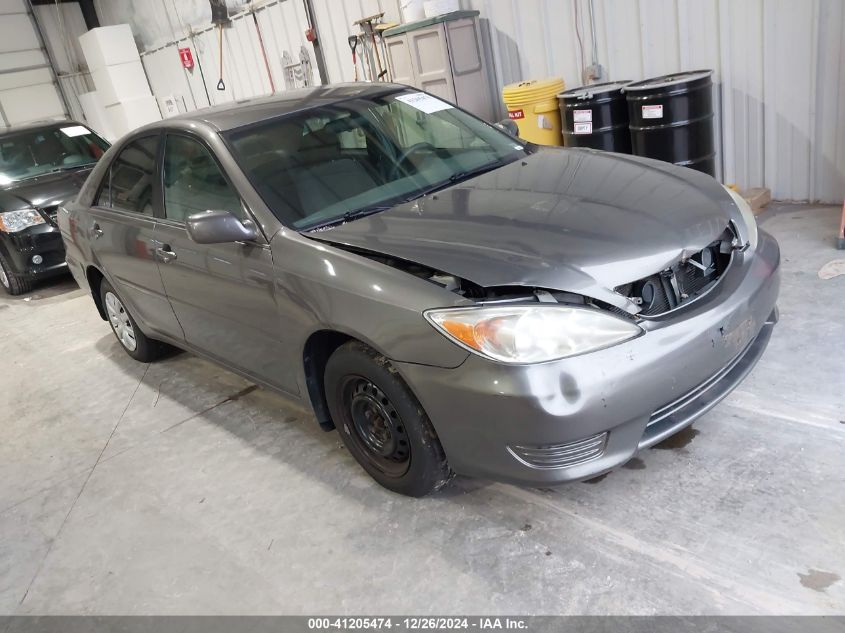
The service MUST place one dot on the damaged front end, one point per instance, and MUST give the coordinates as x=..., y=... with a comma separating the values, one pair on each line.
x=475, y=292
x=690, y=278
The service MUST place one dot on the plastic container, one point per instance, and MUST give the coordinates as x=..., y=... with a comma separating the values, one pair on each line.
x=433, y=8
x=412, y=10
x=533, y=106
x=671, y=119
x=596, y=116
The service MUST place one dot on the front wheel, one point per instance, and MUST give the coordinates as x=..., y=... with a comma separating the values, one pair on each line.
x=12, y=283
x=382, y=424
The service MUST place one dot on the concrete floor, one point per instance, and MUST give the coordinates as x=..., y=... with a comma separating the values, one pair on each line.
x=133, y=489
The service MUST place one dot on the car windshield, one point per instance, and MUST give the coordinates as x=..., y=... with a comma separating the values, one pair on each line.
x=37, y=151
x=336, y=162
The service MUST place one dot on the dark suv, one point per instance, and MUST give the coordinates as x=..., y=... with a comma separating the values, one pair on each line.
x=41, y=166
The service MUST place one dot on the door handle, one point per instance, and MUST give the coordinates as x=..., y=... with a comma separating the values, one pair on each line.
x=96, y=231
x=165, y=253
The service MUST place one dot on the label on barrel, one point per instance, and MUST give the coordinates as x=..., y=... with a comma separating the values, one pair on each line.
x=516, y=114
x=583, y=128
x=653, y=111
x=582, y=116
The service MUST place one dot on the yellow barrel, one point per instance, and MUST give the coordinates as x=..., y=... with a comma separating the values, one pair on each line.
x=533, y=106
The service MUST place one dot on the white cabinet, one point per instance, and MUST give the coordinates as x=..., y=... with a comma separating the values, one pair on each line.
x=444, y=56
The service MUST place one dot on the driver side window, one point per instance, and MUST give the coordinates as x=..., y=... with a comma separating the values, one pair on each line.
x=193, y=181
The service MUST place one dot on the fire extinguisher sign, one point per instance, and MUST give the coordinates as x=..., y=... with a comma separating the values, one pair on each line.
x=186, y=57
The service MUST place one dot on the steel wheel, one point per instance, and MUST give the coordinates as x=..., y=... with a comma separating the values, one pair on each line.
x=119, y=319
x=4, y=278
x=375, y=426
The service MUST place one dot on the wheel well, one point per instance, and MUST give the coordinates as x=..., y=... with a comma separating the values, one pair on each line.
x=318, y=348
x=95, y=278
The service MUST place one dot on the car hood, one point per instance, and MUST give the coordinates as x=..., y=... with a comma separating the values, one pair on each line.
x=575, y=220
x=49, y=189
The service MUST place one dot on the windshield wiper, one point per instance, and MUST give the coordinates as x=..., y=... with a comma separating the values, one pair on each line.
x=349, y=216
x=365, y=211
x=458, y=176
x=69, y=167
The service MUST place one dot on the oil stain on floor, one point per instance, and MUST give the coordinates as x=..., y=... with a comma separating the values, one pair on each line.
x=818, y=580
x=634, y=463
x=679, y=440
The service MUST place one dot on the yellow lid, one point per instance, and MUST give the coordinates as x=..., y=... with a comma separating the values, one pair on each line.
x=531, y=91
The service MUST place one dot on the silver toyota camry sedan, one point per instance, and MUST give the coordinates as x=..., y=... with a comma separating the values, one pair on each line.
x=448, y=297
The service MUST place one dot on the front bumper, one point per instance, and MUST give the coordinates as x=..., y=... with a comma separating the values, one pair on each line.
x=576, y=418
x=44, y=240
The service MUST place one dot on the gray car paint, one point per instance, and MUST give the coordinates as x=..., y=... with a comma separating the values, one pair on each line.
x=578, y=220
x=582, y=222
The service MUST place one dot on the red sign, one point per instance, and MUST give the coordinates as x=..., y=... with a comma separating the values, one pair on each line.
x=186, y=57
x=516, y=114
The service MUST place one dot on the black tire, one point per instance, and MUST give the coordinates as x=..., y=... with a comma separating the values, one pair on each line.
x=382, y=423
x=145, y=349
x=12, y=283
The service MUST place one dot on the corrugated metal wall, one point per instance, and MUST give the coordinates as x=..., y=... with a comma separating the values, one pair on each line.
x=281, y=25
x=335, y=19
x=779, y=67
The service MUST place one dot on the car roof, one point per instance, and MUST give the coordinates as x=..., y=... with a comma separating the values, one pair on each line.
x=248, y=111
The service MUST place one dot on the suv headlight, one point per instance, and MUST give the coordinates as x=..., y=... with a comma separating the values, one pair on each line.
x=13, y=221
x=531, y=334
x=747, y=216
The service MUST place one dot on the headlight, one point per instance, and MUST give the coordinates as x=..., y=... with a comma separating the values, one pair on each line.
x=13, y=221
x=531, y=334
x=747, y=216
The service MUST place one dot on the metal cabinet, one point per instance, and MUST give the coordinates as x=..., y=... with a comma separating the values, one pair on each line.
x=443, y=56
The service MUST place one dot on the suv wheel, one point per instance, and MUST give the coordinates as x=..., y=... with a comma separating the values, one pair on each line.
x=129, y=335
x=382, y=423
x=12, y=283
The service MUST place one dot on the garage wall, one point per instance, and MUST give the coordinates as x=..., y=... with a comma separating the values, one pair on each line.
x=161, y=27
x=61, y=26
x=28, y=91
x=334, y=20
x=779, y=66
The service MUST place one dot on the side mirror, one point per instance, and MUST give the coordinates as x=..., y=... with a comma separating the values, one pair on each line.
x=219, y=227
x=509, y=126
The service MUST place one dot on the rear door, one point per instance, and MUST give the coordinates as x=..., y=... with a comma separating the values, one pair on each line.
x=122, y=224
x=223, y=294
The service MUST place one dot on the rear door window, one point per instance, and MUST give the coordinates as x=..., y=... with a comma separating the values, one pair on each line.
x=128, y=184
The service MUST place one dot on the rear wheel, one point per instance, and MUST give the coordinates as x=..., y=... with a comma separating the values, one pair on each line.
x=382, y=424
x=133, y=341
x=12, y=283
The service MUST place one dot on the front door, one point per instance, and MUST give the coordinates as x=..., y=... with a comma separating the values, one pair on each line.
x=222, y=293
x=121, y=229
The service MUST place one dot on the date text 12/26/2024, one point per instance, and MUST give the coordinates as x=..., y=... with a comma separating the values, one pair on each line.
x=416, y=623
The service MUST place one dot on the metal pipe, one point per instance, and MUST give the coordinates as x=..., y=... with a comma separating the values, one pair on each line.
x=593, y=33
x=318, y=49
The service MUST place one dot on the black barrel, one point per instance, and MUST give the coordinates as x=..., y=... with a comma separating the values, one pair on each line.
x=671, y=119
x=596, y=116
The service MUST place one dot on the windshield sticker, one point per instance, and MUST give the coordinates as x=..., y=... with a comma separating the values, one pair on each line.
x=75, y=130
x=423, y=102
